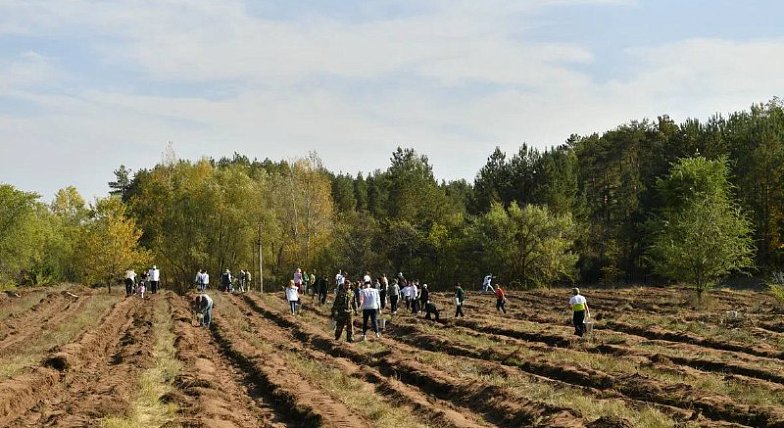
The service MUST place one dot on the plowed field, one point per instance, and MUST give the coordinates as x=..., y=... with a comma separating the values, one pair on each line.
x=74, y=357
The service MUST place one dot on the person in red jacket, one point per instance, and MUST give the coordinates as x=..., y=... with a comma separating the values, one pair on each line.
x=500, y=302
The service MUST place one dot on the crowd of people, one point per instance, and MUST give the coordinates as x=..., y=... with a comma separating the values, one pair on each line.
x=229, y=283
x=136, y=284
x=370, y=295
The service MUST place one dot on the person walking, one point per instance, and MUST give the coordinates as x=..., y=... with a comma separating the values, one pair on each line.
x=500, y=299
x=298, y=279
x=226, y=281
x=247, y=280
x=459, y=299
x=205, y=278
x=155, y=277
x=342, y=310
x=369, y=302
x=199, y=281
x=205, y=306
x=321, y=288
x=487, y=287
x=394, y=296
x=241, y=281
x=406, y=295
x=424, y=296
x=292, y=296
x=312, y=288
x=357, y=286
x=580, y=311
x=130, y=280
x=413, y=293
x=382, y=291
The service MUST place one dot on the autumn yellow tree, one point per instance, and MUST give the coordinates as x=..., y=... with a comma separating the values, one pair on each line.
x=304, y=210
x=108, y=244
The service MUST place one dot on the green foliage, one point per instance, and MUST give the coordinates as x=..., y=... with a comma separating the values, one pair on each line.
x=620, y=206
x=776, y=287
x=527, y=244
x=22, y=219
x=777, y=290
x=109, y=244
x=699, y=236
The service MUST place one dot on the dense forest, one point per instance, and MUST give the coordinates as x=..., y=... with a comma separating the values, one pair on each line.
x=648, y=201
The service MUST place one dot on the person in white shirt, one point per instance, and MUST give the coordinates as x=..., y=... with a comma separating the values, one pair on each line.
x=292, y=296
x=413, y=293
x=154, y=276
x=339, y=281
x=130, y=279
x=367, y=279
x=486, y=286
x=370, y=302
x=407, y=296
x=580, y=311
x=205, y=279
x=200, y=281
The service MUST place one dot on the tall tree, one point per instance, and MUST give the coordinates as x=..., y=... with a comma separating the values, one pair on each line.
x=699, y=235
x=109, y=244
x=528, y=245
x=19, y=227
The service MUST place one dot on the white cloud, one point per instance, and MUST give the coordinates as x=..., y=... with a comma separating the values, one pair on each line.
x=453, y=81
x=25, y=70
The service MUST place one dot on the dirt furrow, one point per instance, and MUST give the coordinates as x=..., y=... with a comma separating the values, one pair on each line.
x=599, y=384
x=495, y=403
x=209, y=393
x=678, y=406
x=86, y=396
x=289, y=393
x=56, y=312
x=635, y=385
x=431, y=411
x=738, y=364
x=17, y=324
x=31, y=390
x=656, y=333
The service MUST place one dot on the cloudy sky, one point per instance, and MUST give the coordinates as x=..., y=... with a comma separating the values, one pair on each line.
x=86, y=86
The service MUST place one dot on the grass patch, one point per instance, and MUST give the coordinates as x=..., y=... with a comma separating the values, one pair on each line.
x=354, y=393
x=147, y=410
x=574, y=398
x=713, y=383
x=18, y=305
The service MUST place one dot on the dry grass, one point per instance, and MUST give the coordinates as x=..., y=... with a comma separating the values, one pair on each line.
x=354, y=393
x=18, y=305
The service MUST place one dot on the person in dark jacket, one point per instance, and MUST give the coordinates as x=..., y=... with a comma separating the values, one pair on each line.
x=321, y=288
x=226, y=279
x=424, y=296
x=430, y=308
x=356, y=292
x=459, y=299
x=394, y=296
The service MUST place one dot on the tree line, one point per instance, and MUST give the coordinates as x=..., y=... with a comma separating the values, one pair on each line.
x=646, y=201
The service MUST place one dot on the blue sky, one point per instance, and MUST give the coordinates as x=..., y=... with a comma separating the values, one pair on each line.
x=86, y=86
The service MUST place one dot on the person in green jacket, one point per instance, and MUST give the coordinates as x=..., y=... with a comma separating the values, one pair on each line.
x=459, y=298
x=343, y=310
